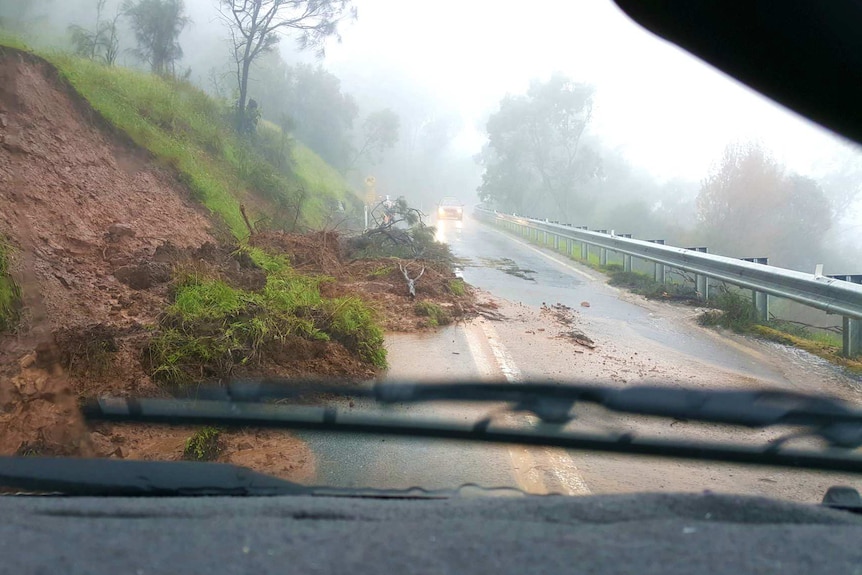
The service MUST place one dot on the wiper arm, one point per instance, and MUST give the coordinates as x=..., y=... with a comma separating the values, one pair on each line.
x=829, y=418
x=253, y=414
x=117, y=477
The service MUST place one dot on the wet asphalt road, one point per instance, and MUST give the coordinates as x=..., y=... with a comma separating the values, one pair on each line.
x=631, y=334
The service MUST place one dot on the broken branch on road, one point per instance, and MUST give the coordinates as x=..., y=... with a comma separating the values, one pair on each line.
x=411, y=282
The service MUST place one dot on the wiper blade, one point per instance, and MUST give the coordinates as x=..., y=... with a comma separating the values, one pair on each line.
x=829, y=418
x=252, y=414
x=117, y=477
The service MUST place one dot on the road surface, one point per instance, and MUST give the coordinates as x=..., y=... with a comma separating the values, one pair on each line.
x=542, y=298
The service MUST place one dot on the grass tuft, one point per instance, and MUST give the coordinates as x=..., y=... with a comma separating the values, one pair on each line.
x=211, y=328
x=436, y=315
x=10, y=293
x=733, y=311
x=457, y=287
x=204, y=445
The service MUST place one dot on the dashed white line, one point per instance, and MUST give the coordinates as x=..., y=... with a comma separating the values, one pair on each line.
x=528, y=474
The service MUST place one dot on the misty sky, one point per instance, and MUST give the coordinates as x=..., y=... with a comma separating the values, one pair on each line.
x=665, y=109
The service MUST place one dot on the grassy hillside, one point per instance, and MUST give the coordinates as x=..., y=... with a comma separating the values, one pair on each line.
x=190, y=132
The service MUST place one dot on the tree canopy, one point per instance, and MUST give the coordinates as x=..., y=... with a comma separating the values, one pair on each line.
x=534, y=159
x=157, y=25
x=750, y=207
x=379, y=133
x=256, y=25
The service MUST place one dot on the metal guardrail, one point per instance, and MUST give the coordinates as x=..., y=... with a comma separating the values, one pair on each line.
x=832, y=295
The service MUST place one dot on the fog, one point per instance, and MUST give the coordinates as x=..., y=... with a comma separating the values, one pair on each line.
x=659, y=128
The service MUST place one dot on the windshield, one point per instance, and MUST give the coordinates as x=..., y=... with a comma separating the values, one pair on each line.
x=195, y=192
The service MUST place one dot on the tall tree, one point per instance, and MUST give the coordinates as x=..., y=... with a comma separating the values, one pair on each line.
x=749, y=207
x=256, y=25
x=379, y=133
x=157, y=25
x=100, y=43
x=534, y=155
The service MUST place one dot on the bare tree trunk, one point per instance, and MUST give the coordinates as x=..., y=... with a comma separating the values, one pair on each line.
x=243, y=92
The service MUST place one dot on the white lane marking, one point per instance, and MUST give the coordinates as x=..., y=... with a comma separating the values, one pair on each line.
x=542, y=253
x=504, y=360
x=479, y=357
x=564, y=469
x=528, y=472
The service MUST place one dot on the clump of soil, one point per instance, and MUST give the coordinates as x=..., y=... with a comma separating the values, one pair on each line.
x=565, y=318
x=316, y=252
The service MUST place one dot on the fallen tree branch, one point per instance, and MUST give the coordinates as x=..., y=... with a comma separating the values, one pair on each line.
x=579, y=337
x=245, y=219
x=411, y=283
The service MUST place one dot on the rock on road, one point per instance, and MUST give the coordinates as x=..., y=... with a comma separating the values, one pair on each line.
x=540, y=295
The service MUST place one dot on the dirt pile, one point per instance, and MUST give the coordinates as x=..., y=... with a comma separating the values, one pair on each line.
x=380, y=281
x=98, y=231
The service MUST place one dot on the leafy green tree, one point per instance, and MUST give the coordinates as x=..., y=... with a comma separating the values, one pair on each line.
x=157, y=25
x=100, y=43
x=255, y=27
x=534, y=159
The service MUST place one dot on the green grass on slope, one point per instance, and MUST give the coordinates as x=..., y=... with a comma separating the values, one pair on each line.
x=191, y=133
x=325, y=183
x=11, y=41
x=10, y=294
x=211, y=328
x=177, y=123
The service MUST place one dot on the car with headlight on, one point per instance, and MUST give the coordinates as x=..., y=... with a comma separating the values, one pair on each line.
x=450, y=209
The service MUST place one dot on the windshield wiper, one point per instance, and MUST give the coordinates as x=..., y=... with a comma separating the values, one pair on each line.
x=828, y=418
x=117, y=477
x=242, y=404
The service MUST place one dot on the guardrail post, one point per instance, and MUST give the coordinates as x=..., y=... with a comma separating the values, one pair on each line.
x=627, y=259
x=603, y=257
x=703, y=287
x=658, y=270
x=761, y=304
x=556, y=243
x=701, y=282
x=852, y=337
x=585, y=251
x=760, y=299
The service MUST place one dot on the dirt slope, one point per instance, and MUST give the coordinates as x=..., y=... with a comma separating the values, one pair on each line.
x=64, y=185
x=83, y=208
